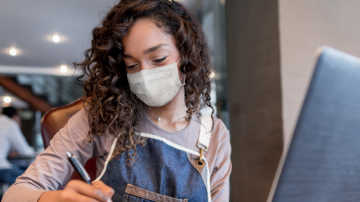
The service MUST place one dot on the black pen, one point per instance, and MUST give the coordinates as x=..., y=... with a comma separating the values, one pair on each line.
x=80, y=170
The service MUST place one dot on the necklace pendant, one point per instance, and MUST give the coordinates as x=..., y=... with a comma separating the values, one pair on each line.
x=159, y=119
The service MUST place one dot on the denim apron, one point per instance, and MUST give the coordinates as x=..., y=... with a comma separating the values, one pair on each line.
x=163, y=171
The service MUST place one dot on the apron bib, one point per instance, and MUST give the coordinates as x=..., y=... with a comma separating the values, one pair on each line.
x=163, y=171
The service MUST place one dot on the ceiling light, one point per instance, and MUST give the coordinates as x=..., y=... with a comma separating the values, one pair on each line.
x=212, y=74
x=56, y=38
x=13, y=52
x=7, y=99
x=63, y=69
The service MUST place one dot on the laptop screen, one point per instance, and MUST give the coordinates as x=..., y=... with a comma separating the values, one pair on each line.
x=322, y=162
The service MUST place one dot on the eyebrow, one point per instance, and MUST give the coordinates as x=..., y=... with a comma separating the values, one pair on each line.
x=152, y=49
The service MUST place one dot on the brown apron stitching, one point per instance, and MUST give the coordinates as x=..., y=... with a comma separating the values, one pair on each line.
x=131, y=189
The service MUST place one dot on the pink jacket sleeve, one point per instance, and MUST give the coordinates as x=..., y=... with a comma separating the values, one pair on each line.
x=51, y=169
x=219, y=180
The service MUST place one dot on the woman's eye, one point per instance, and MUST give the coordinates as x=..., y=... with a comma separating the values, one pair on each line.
x=130, y=66
x=160, y=60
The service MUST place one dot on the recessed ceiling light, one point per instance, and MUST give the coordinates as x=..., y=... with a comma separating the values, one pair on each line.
x=212, y=74
x=7, y=99
x=13, y=52
x=63, y=69
x=56, y=38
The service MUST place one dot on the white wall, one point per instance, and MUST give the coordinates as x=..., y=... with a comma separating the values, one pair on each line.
x=304, y=26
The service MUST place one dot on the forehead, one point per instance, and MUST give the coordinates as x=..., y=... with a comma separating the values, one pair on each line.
x=145, y=34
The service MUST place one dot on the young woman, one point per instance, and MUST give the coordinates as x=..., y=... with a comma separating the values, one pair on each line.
x=146, y=78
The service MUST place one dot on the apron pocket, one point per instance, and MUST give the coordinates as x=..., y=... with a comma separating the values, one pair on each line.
x=137, y=194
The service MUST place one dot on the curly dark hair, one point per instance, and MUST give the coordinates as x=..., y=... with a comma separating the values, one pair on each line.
x=112, y=107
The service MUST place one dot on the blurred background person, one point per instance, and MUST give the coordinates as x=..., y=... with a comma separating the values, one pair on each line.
x=11, y=141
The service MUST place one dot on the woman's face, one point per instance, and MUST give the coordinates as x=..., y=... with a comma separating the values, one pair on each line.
x=147, y=46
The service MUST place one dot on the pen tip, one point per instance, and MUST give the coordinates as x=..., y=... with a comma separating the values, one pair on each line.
x=68, y=153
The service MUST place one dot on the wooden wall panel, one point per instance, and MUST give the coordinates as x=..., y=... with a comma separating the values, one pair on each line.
x=253, y=63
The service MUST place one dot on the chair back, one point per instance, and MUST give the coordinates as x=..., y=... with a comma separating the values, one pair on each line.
x=54, y=120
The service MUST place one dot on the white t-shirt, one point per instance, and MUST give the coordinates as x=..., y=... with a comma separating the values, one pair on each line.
x=11, y=138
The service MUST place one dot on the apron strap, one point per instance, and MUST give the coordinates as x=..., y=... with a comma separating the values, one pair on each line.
x=205, y=132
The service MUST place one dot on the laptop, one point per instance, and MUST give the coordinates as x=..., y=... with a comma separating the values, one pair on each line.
x=322, y=162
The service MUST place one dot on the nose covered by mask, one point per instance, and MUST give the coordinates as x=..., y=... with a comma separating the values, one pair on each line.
x=156, y=87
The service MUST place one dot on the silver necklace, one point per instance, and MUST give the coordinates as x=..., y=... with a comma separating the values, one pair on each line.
x=152, y=115
x=159, y=119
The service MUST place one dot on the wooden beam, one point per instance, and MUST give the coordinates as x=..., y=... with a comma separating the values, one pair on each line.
x=24, y=94
x=255, y=96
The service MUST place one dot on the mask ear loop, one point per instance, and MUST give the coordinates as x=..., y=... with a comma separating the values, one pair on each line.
x=183, y=84
x=184, y=81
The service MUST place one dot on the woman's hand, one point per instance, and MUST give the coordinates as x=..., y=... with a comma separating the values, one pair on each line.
x=79, y=191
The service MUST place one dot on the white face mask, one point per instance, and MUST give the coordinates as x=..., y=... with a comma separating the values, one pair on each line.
x=156, y=87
